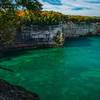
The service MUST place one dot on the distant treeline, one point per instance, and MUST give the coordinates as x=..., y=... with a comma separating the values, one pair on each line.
x=51, y=17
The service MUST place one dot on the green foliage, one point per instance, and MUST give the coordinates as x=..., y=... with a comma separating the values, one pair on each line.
x=51, y=17
x=45, y=17
x=87, y=19
x=30, y=4
x=7, y=22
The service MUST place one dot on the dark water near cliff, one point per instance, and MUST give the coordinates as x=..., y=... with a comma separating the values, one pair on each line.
x=68, y=73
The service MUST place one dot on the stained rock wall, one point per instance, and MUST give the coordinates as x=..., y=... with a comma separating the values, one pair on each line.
x=35, y=35
x=79, y=29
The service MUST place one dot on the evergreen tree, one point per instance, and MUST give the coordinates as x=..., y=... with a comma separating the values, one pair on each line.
x=30, y=4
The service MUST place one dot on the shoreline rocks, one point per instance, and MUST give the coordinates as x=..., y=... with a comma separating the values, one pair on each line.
x=12, y=92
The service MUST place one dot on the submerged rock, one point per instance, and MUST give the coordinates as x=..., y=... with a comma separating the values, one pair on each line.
x=11, y=92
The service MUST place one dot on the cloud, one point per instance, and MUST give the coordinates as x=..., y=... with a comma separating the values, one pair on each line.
x=81, y=8
x=73, y=7
x=93, y=1
x=54, y=2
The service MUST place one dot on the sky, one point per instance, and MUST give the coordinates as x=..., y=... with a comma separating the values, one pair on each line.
x=73, y=7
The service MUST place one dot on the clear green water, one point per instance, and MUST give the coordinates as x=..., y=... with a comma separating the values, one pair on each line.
x=68, y=73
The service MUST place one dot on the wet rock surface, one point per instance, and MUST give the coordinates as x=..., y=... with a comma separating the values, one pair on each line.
x=11, y=92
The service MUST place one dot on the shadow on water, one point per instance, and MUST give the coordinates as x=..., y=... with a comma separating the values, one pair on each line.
x=10, y=54
x=6, y=69
x=78, y=42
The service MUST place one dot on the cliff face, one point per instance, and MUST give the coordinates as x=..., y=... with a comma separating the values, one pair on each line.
x=41, y=35
x=52, y=36
x=11, y=92
x=79, y=29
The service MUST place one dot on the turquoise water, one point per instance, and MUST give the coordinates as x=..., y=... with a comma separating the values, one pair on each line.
x=68, y=73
